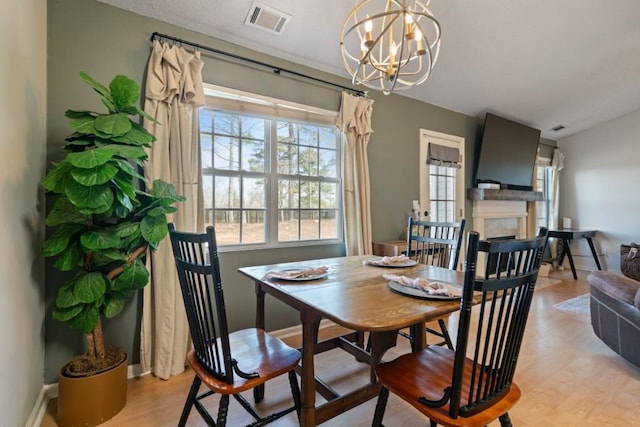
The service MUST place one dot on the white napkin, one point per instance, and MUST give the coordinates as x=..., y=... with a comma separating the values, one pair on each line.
x=386, y=260
x=432, y=288
x=296, y=274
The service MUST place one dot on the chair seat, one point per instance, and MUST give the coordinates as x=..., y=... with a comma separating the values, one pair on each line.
x=256, y=351
x=427, y=373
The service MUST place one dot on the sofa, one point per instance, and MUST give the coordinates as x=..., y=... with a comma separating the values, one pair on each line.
x=615, y=311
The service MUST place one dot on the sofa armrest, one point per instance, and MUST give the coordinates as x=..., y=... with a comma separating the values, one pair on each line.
x=616, y=285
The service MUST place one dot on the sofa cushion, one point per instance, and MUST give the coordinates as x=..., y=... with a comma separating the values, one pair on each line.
x=616, y=285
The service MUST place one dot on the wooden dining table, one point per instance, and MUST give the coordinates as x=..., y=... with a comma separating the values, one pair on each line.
x=357, y=297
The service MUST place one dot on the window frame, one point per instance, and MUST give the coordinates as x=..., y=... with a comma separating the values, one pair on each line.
x=273, y=111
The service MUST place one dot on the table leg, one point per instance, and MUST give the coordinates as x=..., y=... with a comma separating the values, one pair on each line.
x=594, y=253
x=258, y=392
x=567, y=250
x=310, y=325
x=380, y=343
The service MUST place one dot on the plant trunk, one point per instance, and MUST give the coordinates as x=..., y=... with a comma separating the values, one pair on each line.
x=95, y=339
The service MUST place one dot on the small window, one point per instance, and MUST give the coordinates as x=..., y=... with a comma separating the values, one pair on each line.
x=543, y=185
x=271, y=170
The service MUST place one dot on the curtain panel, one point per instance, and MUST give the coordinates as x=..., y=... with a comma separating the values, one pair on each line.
x=173, y=93
x=354, y=120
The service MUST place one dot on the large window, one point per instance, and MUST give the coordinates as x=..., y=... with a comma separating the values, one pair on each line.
x=271, y=170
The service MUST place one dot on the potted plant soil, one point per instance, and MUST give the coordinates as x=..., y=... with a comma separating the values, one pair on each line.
x=104, y=225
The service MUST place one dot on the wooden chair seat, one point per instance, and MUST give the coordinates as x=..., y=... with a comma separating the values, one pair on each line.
x=255, y=351
x=427, y=373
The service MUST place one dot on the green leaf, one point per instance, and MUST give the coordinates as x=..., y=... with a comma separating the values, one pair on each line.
x=130, y=152
x=83, y=124
x=87, y=320
x=57, y=178
x=91, y=199
x=166, y=191
x=96, y=240
x=124, y=184
x=154, y=228
x=66, y=314
x=98, y=87
x=71, y=257
x=109, y=104
x=124, y=91
x=65, y=298
x=60, y=239
x=77, y=114
x=134, y=276
x=137, y=135
x=102, y=258
x=126, y=229
x=113, y=307
x=91, y=158
x=63, y=211
x=113, y=124
x=90, y=287
x=95, y=176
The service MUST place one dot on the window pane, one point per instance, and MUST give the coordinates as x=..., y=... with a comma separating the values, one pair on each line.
x=253, y=192
x=328, y=195
x=226, y=153
x=226, y=123
x=287, y=159
x=227, y=192
x=309, y=194
x=309, y=225
x=328, y=224
x=287, y=194
x=207, y=191
x=253, y=127
x=253, y=227
x=328, y=164
x=205, y=117
x=288, y=225
x=227, y=224
x=308, y=162
x=308, y=135
x=253, y=155
x=286, y=132
x=206, y=150
x=328, y=138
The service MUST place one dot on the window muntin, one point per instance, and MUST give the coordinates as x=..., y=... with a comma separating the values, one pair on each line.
x=251, y=202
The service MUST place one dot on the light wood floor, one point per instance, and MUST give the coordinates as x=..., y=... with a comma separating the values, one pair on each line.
x=568, y=378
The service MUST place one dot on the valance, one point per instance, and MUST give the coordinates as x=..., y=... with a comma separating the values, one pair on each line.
x=441, y=155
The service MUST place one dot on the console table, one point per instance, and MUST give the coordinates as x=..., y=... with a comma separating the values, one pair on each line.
x=566, y=234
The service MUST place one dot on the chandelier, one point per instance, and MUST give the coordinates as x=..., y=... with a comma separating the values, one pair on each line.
x=390, y=45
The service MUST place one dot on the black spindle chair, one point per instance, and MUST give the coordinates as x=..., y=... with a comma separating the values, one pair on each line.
x=437, y=244
x=473, y=384
x=227, y=363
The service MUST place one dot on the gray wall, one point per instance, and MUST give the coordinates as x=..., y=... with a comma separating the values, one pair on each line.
x=599, y=187
x=104, y=41
x=22, y=150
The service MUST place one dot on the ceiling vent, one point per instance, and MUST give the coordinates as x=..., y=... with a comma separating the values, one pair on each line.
x=267, y=18
x=557, y=128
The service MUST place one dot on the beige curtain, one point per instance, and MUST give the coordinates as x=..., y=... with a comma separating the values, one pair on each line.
x=557, y=164
x=354, y=120
x=532, y=211
x=173, y=94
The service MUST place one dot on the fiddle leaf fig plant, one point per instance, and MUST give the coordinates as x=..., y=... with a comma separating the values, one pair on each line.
x=103, y=222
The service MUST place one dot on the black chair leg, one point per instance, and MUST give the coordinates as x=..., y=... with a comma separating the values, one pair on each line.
x=380, y=407
x=295, y=391
x=223, y=410
x=445, y=333
x=433, y=423
x=258, y=393
x=505, y=421
x=191, y=398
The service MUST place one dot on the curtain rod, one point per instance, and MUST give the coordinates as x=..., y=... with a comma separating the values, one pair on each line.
x=275, y=69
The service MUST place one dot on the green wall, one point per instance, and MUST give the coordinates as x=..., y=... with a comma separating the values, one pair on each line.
x=85, y=35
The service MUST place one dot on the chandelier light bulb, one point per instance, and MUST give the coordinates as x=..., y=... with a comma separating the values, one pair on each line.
x=390, y=45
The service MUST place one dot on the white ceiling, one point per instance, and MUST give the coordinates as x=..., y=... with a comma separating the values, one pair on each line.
x=543, y=63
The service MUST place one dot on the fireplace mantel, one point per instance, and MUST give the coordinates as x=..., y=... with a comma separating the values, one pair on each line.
x=517, y=195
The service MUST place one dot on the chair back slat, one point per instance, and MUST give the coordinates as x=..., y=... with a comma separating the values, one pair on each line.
x=435, y=243
x=490, y=333
x=198, y=266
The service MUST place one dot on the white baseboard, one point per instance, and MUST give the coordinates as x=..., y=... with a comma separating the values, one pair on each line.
x=297, y=330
